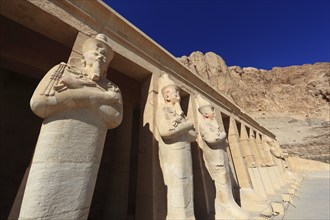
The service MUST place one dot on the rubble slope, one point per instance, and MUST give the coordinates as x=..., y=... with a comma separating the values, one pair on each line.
x=292, y=102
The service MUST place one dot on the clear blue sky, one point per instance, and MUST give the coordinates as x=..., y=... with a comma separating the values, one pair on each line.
x=261, y=34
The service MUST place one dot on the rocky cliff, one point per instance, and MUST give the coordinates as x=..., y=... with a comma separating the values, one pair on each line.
x=292, y=102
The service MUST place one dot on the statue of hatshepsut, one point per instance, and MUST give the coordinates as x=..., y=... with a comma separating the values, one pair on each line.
x=216, y=162
x=78, y=105
x=176, y=133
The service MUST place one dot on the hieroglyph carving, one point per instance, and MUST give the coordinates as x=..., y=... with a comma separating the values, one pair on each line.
x=216, y=162
x=78, y=105
x=176, y=133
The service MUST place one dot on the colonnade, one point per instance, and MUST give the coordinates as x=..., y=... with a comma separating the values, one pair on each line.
x=253, y=169
x=79, y=105
x=258, y=164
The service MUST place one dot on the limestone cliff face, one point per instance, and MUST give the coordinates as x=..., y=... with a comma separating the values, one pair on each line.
x=292, y=102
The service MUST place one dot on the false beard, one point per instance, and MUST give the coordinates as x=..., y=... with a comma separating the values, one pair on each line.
x=178, y=109
x=96, y=71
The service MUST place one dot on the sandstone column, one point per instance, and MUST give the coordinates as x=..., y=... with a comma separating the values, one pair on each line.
x=263, y=169
x=176, y=133
x=261, y=150
x=277, y=156
x=216, y=161
x=151, y=192
x=252, y=164
x=235, y=148
x=255, y=150
x=246, y=150
x=78, y=105
x=250, y=200
x=288, y=176
x=256, y=172
x=268, y=143
x=266, y=179
x=270, y=165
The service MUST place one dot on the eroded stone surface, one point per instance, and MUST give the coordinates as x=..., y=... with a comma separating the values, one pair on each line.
x=292, y=102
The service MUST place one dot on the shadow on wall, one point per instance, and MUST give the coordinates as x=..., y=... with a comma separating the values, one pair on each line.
x=19, y=134
x=204, y=188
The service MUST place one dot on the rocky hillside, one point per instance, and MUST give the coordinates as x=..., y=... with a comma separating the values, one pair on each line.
x=292, y=102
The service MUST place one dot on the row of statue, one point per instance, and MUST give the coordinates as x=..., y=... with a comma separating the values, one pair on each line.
x=79, y=105
x=177, y=132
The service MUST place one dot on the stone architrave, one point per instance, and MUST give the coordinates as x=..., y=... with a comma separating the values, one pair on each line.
x=176, y=133
x=78, y=105
x=216, y=162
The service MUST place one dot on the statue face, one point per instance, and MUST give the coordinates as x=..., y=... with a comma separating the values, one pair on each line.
x=172, y=95
x=96, y=62
x=93, y=56
x=209, y=113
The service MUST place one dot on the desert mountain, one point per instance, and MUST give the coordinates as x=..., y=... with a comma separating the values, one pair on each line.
x=292, y=102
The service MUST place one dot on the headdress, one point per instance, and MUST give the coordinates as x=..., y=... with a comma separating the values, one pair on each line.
x=165, y=82
x=204, y=105
x=100, y=43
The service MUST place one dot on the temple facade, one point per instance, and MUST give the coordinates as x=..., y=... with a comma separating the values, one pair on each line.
x=133, y=178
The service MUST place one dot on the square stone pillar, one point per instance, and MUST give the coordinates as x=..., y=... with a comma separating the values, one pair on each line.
x=151, y=191
x=235, y=148
x=204, y=191
x=252, y=165
x=250, y=200
x=261, y=150
x=246, y=149
x=272, y=166
x=255, y=150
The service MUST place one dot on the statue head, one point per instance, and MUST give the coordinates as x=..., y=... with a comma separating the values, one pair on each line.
x=205, y=108
x=169, y=90
x=97, y=55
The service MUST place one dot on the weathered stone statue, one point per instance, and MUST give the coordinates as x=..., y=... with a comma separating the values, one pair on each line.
x=216, y=162
x=176, y=133
x=78, y=105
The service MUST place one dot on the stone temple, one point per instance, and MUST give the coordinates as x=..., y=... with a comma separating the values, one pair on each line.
x=98, y=121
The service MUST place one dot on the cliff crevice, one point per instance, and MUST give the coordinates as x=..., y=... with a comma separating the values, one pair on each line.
x=292, y=102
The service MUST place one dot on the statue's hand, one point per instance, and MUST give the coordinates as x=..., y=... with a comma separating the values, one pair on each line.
x=192, y=135
x=190, y=124
x=71, y=82
x=179, y=119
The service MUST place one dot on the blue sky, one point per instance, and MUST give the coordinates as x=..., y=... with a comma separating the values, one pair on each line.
x=261, y=34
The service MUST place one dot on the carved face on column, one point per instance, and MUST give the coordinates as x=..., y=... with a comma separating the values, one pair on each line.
x=97, y=55
x=207, y=112
x=171, y=94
